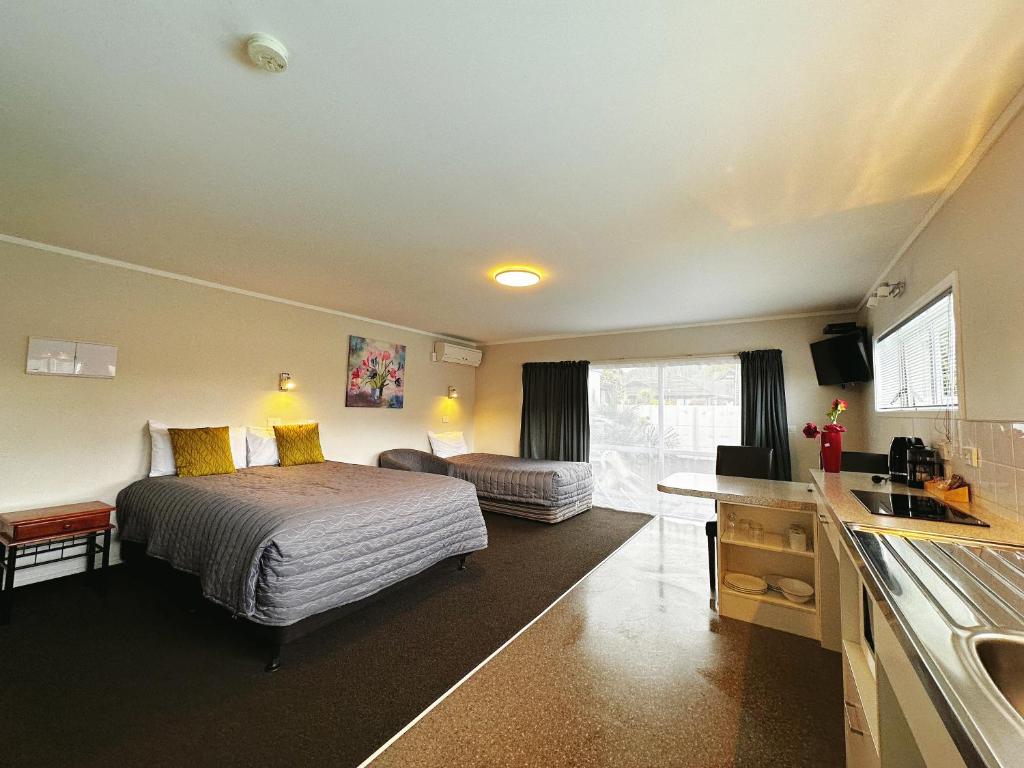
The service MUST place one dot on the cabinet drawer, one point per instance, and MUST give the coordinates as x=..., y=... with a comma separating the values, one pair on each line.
x=42, y=529
x=860, y=751
x=860, y=748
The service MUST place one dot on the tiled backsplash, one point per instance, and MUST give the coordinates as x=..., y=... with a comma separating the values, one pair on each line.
x=999, y=477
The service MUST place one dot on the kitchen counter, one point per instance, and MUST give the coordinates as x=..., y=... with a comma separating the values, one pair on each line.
x=933, y=585
x=779, y=494
x=835, y=490
x=943, y=598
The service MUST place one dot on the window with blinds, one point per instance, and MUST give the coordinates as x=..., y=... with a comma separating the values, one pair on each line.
x=915, y=361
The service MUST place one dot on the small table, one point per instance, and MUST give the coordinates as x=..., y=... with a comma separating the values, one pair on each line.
x=50, y=535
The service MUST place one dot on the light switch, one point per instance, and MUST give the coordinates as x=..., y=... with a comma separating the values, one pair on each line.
x=444, y=419
x=970, y=455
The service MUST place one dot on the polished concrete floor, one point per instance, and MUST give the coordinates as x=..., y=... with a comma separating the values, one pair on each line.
x=631, y=668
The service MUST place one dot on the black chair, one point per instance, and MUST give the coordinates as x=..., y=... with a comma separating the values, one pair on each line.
x=735, y=461
x=744, y=461
x=858, y=461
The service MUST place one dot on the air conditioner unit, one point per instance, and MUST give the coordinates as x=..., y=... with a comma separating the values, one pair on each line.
x=453, y=353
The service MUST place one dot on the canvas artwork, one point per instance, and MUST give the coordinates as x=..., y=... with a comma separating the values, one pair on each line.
x=376, y=374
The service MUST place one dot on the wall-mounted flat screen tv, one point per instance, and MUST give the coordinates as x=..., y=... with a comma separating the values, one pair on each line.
x=843, y=359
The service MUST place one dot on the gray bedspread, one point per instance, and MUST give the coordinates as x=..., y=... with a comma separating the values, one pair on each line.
x=529, y=481
x=278, y=544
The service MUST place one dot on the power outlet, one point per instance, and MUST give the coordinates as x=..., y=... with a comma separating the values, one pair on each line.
x=970, y=455
x=444, y=419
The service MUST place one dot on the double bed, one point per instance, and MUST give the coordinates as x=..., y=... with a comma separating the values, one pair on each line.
x=285, y=547
x=537, y=489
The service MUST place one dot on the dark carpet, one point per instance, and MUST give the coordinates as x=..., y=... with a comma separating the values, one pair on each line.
x=153, y=676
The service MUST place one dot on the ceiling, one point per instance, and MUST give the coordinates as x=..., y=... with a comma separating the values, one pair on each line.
x=662, y=163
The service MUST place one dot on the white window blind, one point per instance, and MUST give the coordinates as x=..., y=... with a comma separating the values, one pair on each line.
x=915, y=362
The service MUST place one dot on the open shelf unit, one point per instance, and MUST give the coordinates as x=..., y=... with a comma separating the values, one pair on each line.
x=774, y=598
x=773, y=542
x=772, y=556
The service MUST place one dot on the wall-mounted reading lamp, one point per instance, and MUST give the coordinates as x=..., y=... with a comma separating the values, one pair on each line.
x=285, y=383
x=453, y=393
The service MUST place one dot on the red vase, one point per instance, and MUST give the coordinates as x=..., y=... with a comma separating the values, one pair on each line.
x=831, y=451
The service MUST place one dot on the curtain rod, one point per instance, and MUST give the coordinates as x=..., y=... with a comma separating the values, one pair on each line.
x=650, y=360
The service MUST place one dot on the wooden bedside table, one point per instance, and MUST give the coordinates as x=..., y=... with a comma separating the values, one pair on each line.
x=50, y=535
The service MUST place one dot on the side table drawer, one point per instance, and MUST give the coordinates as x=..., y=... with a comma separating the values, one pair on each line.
x=43, y=528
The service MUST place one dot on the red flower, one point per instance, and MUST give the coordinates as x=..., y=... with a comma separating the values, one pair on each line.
x=811, y=430
x=392, y=373
x=385, y=356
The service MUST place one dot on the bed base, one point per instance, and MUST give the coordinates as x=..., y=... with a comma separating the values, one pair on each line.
x=542, y=514
x=278, y=637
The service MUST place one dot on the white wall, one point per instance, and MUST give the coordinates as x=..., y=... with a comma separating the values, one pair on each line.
x=188, y=355
x=979, y=234
x=499, y=379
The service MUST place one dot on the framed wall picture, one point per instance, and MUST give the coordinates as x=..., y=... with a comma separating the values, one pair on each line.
x=376, y=374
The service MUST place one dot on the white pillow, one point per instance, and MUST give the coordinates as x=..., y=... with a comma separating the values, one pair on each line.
x=445, y=444
x=161, y=456
x=261, y=446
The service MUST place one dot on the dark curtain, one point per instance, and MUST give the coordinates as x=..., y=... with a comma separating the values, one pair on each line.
x=763, y=413
x=556, y=415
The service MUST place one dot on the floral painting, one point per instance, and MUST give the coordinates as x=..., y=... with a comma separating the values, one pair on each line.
x=376, y=374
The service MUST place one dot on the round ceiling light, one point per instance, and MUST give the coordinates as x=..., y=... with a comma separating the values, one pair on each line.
x=517, y=278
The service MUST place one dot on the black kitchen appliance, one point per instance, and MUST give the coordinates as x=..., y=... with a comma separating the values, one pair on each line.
x=898, y=456
x=923, y=464
x=915, y=507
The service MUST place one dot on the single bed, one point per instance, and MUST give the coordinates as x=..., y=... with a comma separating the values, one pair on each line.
x=283, y=547
x=548, y=491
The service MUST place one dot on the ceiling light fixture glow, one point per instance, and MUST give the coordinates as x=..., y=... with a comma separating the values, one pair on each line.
x=517, y=278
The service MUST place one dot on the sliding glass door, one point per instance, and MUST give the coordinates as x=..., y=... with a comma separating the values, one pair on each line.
x=650, y=419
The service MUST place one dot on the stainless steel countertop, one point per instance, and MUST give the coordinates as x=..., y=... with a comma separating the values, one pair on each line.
x=945, y=597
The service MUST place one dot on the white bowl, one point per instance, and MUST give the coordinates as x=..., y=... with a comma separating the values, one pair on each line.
x=796, y=591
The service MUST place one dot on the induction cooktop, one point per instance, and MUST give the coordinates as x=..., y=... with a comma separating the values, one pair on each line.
x=916, y=507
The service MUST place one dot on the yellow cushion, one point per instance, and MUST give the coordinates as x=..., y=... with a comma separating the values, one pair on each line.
x=203, y=451
x=298, y=444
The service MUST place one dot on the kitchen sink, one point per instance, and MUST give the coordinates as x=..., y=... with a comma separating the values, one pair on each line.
x=962, y=605
x=1003, y=660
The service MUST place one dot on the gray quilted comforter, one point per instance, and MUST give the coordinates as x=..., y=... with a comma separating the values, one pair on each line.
x=278, y=544
x=529, y=481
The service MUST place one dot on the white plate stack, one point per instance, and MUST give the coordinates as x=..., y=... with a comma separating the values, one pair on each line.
x=745, y=584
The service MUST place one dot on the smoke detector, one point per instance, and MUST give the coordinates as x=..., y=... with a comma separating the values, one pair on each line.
x=267, y=53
